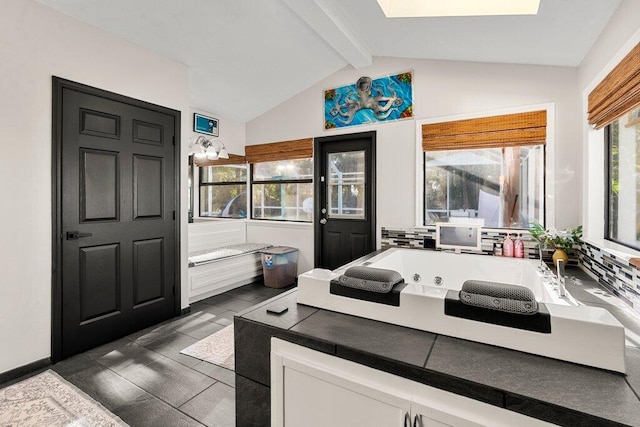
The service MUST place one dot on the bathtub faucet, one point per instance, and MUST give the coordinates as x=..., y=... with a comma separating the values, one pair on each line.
x=542, y=264
x=561, y=288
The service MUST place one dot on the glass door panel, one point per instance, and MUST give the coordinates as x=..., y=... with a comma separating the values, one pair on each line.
x=346, y=196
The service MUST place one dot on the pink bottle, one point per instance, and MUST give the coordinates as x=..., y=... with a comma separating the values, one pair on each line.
x=518, y=248
x=507, y=246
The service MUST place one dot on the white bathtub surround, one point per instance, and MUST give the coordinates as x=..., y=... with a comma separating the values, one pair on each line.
x=586, y=335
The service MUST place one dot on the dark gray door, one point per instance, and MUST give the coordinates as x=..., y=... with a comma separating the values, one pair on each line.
x=344, y=198
x=117, y=226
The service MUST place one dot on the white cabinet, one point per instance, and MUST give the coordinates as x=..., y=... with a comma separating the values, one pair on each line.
x=316, y=398
x=310, y=389
x=425, y=415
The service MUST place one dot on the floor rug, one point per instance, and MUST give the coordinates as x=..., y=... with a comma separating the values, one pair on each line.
x=216, y=348
x=48, y=400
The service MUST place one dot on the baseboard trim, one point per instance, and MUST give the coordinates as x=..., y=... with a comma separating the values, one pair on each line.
x=185, y=310
x=24, y=370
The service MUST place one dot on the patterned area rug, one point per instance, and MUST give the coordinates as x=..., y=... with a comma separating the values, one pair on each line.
x=216, y=348
x=48, y=400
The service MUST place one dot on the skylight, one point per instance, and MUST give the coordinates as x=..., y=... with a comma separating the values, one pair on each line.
x=433, y=8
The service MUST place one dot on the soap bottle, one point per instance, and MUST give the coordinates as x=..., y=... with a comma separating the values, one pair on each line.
x=507, y=246
x=497, y=249
x=518, y=248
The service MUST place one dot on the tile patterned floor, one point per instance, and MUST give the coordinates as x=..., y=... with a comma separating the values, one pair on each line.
x=144, y=379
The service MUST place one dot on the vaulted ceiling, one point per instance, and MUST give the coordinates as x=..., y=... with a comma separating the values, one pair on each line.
x=247, y=56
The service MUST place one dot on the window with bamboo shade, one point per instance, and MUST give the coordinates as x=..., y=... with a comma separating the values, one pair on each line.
x=491, y=168
x=618, y=93
x=282, y=180
x=507, y=130
x=285, y=150
x=614, y=105
x=234, y=159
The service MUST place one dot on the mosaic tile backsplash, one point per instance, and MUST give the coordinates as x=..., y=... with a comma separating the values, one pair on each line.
x=615, y=274
x=424, y=238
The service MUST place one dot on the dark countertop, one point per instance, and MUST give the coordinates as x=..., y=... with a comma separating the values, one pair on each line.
x=555, y=391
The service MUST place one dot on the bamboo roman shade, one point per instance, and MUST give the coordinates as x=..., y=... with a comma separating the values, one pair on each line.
x=618, y=93
x=508, y=130
x=233, y=159
x=286, y=150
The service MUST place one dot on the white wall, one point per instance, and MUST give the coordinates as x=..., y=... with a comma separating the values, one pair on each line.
x=297, y=235
x=443, y=88
x=618, y=38
x=36, y=43
x=232, y=133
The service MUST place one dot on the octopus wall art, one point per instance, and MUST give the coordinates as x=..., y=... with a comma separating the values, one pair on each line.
x=369, y=101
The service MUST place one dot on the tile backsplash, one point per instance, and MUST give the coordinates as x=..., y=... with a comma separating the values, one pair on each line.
x=616, y=274
x=415, y=238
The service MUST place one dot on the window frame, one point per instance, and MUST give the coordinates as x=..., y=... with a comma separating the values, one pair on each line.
x=191, y=190
x=543, y=187
x=607, y=192
x=276, y=181
x=549, y=203
x=215, y=184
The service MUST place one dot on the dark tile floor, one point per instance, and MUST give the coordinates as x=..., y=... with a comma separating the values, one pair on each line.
x=145, y=380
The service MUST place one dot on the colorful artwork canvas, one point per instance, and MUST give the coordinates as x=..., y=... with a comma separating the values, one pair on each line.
x=369, y=101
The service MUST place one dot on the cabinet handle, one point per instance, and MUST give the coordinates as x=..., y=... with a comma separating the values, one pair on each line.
x=407, y=420
x=416, y=420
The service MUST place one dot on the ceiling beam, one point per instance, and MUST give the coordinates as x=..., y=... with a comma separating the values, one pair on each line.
x=332, y=29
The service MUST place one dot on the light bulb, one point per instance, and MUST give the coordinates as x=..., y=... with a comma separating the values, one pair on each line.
x=212, y=154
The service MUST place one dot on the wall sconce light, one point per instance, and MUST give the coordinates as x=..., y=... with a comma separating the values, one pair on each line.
x=211, y=148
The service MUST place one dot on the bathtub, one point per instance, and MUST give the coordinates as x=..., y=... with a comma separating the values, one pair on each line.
x=450, y=271
x=586, y=335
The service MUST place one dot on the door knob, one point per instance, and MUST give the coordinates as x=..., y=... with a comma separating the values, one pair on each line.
x=74, y=235
x=323, y=221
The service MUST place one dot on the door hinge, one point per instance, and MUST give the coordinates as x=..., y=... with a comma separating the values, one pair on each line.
x=174, y=140
x=174, y=215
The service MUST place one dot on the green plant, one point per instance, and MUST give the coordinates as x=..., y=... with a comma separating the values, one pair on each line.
x=559, y=239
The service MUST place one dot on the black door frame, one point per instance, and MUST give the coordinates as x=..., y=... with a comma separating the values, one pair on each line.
x=56, y=197
x=317, y=187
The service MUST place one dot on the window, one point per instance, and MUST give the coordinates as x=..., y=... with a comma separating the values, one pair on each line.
x=490, y=168
x=282, y=190
x=346, y=181
x=623, y=183
x=504, y=186
x=223, y=191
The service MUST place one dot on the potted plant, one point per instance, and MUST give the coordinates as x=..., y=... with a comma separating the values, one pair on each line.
x=562, y=240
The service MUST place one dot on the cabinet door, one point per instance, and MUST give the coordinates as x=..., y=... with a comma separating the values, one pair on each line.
x=426, y=416
x=316, y=398
x=438, y=408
